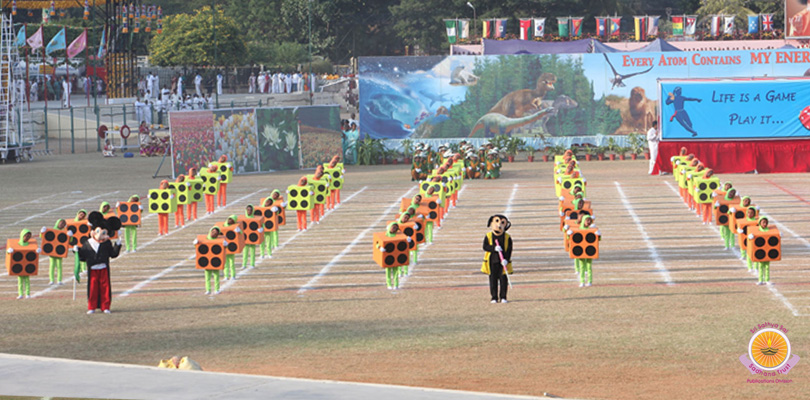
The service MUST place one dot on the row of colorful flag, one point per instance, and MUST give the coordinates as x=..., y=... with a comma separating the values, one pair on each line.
x=682, y=25
x=132, y=14
x=58, y=42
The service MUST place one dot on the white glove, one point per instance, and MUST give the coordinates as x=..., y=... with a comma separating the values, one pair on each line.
x=75, y=249
x=188, y=184
x=274, y=209
x=757, y=208
x=10, y=250
x=569, y=232
x=689, y=176
x=584, y=180
x=498, y=248
x=416, y=226
x=382, y=249
x=39, y=250
x=717, y=204
x=260, y=230
x=598, y=232
x=224, y=242
x=284, y=204
x=739, y=230
x=238, y=230
x=733, y=210
x=43, y=230
x=311, y=193
x=409, y=239
x=171, y=196
x=714, y=194
x=195, y=241
x=117, y=203
x=559, y=179
x=118, y=242
x=70, y=233
x=562, y=213
x=288, y=192
x=418, y=170
x=750, y=236
x=439, y=201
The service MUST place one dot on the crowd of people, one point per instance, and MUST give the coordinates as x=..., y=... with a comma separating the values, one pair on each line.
x=481, y=163
x=278, y=82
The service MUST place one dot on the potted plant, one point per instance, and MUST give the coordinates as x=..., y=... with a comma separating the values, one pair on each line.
x=545, y=149
x=589, y=152
x=392, y=155
x=600, y=152
x=499, y=141
x=513, y=145
x=530, y=150
x=369, y=151
x=407, y=148
x=612, y=148
x=636, y=143
x=622, y=151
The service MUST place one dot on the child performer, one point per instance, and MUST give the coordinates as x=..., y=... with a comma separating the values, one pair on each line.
x=750, y=215
x=179, y=218
x=192, y=205
x=302, y=214
x=223, y=187
x=249, y=251
x=23, y=282
x=391, y=274
x=131, y=231
x=266, y=248
x=279, y=202
x=333, y=164
x=55, y=263
x=764, y=267
x=106, y=210
x=96, y=251
x=586, y=264
x=163, y=217
x=725, y=232
x=230, y=259
x=210, y=274
x=497, y=247
x=80, y=265
x=210, y=201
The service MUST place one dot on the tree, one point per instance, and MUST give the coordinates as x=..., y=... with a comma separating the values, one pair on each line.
x=189, y=40
x=725, y=7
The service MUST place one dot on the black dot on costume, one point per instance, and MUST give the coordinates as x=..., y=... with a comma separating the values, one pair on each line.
x=181, y=198
x=759, y=254
x=590, y=250
x=723, y=209
x=60, y=249
x=590, y=237
x=196, y=197
x=336, y=174
x=337, y=184
x=202, y=249
x=16, y=268
x=268, y=224
x=574, y=215
x=433, y=205
x=134, y=219
x=231, y=235
x=223, y=178
x=321, y=188
x=713, y=185
x=202, y=262
x=293, y=203
x=181, y=188
x=389, y=247
x=164, y=207
x=198, y=186
x=124, y=219
x=30, y=268
x=723, y=219
x=773, y=254
x=153, y=195
x=739, y=215
x=216, y=262
x=389, y=260
x=164, y=195
x=433, y=215
x=773, y=241
x=319, y=198
x=411, y=244
x=73, y=241
x=216, y=249
x=223, y=168
x=233, y=247
x=577, y=237
x=420, y=237
x=702, y=186
x=72, y=229
x=62, y=237
x=304, y=204
x=402, y=259
x=408, y=231
x=212, y=189
x=253, y=237
x=84, y=228
x=294, y=193
x=254, y=225
x=153, y=206
x=49, y=235
x=47, y=248
x=31, y=256
x=703, y=197
x=577, y=250
x=402, y=246
x=267, y=213
x=567, y=184
x=17, y=256
x=425, y=187
x=123, y=207
x=759, y=242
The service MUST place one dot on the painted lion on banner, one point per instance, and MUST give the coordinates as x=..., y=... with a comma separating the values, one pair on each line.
x=638, y=112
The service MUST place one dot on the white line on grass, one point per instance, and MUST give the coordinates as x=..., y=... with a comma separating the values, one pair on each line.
x=61, y=208
x=36, y=201
x=773, y=290
x=659, y=264
x=351, y=245
x=293, y=237
x=511, y=199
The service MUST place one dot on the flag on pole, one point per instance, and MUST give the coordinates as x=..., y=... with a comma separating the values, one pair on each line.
x=539, y=27
x=715, y=25
x=101, y=43
x=450, y=25
x=463, y=29
x=728, y=25
x=641, y=28
x=615, y=26
x=576, y=27
x=52, y=10
x=500, y=28
x=14, y=7
x=562, y=27
x=20, y=42
x=677, y=25
x=487, y=29
x=77, y=45
x=86, y=14
x=35, y=41
x=56, y=43
x=137, y=20
x=753, y=24
x=601, y=28
x=525, y=28
x=767, y=22
x=690, y=25
x=652, y=26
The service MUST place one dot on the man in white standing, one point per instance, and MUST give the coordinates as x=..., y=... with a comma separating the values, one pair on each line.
x=288, y=83
x=219, y=83
x=149, y=92
x=653, y=137
x=66, y=86
x=262, y=80
x=198, y=84
x=252, y=83
x=155, y=85
x=180, y=87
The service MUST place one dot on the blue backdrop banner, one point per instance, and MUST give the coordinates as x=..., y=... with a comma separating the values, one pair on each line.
x=735, y=109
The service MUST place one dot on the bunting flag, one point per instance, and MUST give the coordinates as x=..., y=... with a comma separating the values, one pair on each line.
x=615, y=26
x=652, y=26
x=20, y=41
x=143, y=11
x=576, y=27
x=728, y=25
x=539, y=27
x=601, y=28
x=77, y=45
x=715, y=25
x=14, y=7
x=52, y=11
x=562, y=27
x=137, y=20
x=500, y=28
x=753, y=24
x=487, y=29
x=131, y=10
x=101, y=43
x=767, y=22
x=641, y=28
x=463, y=29
x=86, y=14
x=46, y=16
x=56, y=43
x=690, y=25
x=148, y=25
x=35, y=41
x=159, y=13
x=677, y=25
x=525, y=27
x=125, y=24
x=450, y=26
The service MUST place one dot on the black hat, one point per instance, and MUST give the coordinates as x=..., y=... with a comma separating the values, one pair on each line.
x=97, y=220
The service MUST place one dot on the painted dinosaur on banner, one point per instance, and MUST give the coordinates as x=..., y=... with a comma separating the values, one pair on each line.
x=493, y=124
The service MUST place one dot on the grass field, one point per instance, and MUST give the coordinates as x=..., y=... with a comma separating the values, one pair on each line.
x=668, y=316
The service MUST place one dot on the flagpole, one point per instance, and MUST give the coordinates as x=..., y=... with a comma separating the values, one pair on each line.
x=87, y=64
x=67, y=71
x=45, y=76
x=27, y=69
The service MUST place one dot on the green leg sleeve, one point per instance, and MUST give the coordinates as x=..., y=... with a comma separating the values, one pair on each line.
x=766, y=266
x=395, y=278
x=388, y=277
x=429, y=232
x=59, y=270
x=275, y=239
x=581, y=271
x=577, y=265
x=245, y=256
x=135, y=238
x=589, y=269
x=20, y=286
x=252, y=256
x=415, y=255
x=403, y=270
x=759, y=271
x=748, y=261
x=51, y=267
x=216, y=281
x=27, y=285
x=208, y=280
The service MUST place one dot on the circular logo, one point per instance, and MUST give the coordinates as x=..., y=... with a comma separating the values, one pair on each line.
x=769, y=349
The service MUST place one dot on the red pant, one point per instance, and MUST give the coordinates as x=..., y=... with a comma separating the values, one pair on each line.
x=163, y=223
x=98, y=289
x=337, y=196
x=223, y=194
x=210, y=203
x=179, y=218
x=302, y=219
x=707, y=212
x=192, y=210
x=330, y=200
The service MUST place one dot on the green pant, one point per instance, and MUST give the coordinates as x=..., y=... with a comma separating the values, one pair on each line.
x=274, y=243
x=585, y=265
x=764, y=271
x=728, y=237
x=55, y=265
x=230, y=259
x=24, y=285
x=131, y=234
x=392, y=277
x=211, y=275
x=429, y=231
x=744, y=255
x=249, y=256
x=266, y=247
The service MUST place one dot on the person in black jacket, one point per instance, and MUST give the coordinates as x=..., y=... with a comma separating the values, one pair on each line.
x=498, y=246
x=96, y=251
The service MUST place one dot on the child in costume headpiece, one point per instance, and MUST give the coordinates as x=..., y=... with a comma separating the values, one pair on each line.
x=497, y=256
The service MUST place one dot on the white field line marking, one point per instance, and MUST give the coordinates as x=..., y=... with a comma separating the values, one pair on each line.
x=659, y=264
x=230, y=283
x=170, y=269
x=772, y=289
x=509, y=202
x=351, y=245
x=36, y=201
x=61, y=208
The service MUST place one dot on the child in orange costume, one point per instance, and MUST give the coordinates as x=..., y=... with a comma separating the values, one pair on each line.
x=210, y=201
x=318, y=209
x=179, y=218
x=163, y=218
x=302, y=214
x=336, y=192
x=706, y=208
x=192, y=205
x=222, y=195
